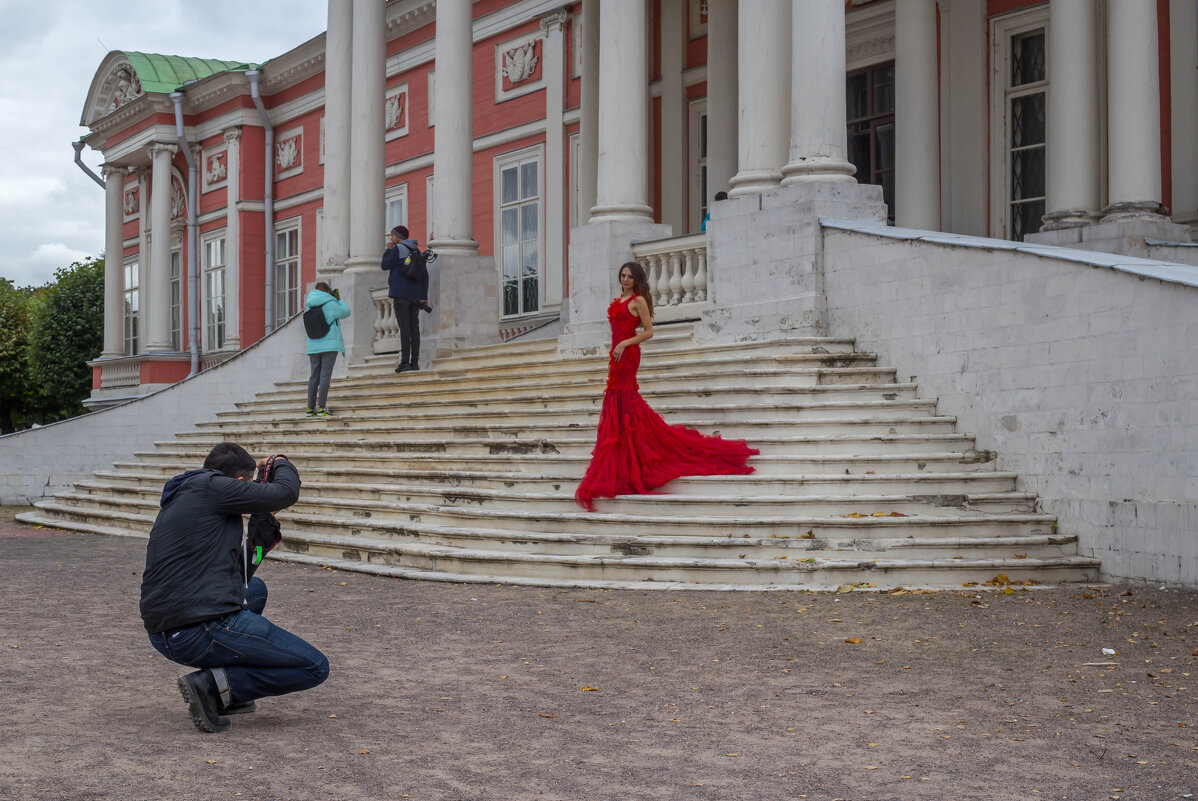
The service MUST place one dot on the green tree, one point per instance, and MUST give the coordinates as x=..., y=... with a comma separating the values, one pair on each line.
x=67, y=332
x=17, y=397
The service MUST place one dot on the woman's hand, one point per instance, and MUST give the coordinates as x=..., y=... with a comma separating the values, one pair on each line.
x=618, y=350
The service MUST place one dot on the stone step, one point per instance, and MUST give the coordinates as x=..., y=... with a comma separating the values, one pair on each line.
x=329, y=494
x=629, y=564
x=535, y=459
x=547, y=423
x=138, y=474
x=579, y=444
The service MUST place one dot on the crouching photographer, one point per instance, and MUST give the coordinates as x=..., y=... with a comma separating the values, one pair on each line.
x=201, y=603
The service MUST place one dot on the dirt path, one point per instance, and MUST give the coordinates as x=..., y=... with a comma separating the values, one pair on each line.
x=443, y=691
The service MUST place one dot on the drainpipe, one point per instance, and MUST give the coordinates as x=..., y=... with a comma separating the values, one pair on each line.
x=268, y=198
x=78, y=148
x=193, y=245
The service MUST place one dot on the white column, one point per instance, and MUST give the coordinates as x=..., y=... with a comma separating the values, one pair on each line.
x=1072, y=115
x=453, y=138
x=721, y=96
x=674, y=181
x=1183, y=57
x=622, y=191
x=588, y=155
x=143, y=254
x=156, y=281
x=763, y=94
x=1133, y=112
x=114, y=258
x=818, y=134
x=367, y=216
x=338, y=87
x=556, y=200
x=233, y=240
x=916, y=122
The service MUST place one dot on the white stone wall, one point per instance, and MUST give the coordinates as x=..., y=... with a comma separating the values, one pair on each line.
x=39, y=462
x=1083, y=378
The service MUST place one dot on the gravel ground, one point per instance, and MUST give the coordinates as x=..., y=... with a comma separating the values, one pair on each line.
x=443, y=691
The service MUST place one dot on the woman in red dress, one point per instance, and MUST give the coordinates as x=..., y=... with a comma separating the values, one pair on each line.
x=635, y=450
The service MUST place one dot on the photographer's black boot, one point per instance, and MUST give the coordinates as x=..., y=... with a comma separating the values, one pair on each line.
x=202, y=691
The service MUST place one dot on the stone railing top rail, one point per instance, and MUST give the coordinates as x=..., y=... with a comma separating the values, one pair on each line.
x=654, y=247
x=1147, y=268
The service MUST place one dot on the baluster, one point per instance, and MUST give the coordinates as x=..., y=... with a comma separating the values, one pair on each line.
x=661, y=296
x=701, y=274
x=688, y=276
x=675, y=277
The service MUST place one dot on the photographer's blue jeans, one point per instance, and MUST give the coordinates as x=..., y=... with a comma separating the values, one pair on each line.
x=259, y=658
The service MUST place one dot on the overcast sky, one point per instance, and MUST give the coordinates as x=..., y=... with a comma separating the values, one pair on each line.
x=51, y=213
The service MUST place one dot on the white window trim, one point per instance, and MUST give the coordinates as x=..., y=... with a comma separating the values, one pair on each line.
x=432, y=98
x=500, y=163
x=177, y=252
x=1001, y=30
x=202, y=303
x=429, y=223
x=132, y=261
x=696, y=109
x=286, y=227
x=575, y=150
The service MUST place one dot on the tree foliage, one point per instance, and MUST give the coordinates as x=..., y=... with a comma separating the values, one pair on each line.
x=17, y=398
x=67, y=332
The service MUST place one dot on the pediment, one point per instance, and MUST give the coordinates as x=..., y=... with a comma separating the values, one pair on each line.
x=115, y=85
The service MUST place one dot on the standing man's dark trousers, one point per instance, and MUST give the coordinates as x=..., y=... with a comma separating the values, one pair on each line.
x=407, y=316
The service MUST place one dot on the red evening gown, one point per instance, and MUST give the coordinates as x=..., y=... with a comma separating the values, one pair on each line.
x=635, y=450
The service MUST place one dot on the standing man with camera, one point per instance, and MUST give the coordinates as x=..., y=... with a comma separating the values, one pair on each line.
x=201, y=603
x=408, y=290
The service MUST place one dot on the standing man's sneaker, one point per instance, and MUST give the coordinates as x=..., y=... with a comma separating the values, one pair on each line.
x=413, y=366
x=403, y=368
x=200, y=692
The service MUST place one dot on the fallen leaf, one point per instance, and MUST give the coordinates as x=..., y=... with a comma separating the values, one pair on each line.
x=731, y=754
x=210, y=761
x=590, y=689
x=871, y=767
x=364, y=751
x=853, y=640
x=332, y=716
x=547, y=714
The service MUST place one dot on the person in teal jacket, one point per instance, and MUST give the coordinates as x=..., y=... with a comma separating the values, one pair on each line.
x=322, y=353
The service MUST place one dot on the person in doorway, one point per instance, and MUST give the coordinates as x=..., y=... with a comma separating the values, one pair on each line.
x=201, y=603
x=718, y=196
x=635, y=450
x=322, y=351
x=407, y=286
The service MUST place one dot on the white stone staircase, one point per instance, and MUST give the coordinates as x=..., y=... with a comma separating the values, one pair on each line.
x=466, y=473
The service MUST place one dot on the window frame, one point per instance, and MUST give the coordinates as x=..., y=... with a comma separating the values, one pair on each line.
x=517, y=158
x=131, y=313
x=214, y=331
x=873, y=121
x=288, y=296
x=697, y=162
x=176, y=312
x=1002, y=30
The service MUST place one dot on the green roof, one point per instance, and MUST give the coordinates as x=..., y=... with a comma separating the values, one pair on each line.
x=158, y=73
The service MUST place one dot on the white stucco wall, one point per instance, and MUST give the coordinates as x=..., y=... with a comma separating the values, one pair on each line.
x=41, y=461
x=1083, y=378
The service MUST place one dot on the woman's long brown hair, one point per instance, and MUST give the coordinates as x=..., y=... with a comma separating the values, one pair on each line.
x=640, y=281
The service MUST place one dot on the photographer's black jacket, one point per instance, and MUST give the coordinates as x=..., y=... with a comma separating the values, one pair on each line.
x=397, y=285
x=194, y=560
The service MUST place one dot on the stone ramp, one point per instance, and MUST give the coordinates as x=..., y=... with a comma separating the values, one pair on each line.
x=466, y=472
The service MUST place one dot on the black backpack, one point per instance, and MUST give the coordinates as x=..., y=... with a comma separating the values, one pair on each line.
x=413, y=267
x=314, y=323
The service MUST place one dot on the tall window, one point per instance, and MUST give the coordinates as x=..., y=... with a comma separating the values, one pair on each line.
x=177, y=300
x=132, y=307
x=698, y=163
x=871, y=128
x=1026, y=95
x=214, y=293
x=520, y=232
x=397, y=206
x=287, y=273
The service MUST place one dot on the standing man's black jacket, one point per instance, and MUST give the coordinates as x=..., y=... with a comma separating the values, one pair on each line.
x=194, y=561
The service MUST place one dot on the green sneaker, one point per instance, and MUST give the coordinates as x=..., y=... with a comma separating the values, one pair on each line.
x=311, y=413
x=323, y=413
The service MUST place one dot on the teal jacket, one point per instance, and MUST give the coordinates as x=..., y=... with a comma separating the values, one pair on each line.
x=334, y=310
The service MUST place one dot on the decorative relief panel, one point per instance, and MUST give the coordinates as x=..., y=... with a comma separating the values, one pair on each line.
x=289, y=153
x=576, y=46
x=216, y=168
x=132, y=202
x=178, y=198
x=395, y=112
x=518, y=67
x=127, y=86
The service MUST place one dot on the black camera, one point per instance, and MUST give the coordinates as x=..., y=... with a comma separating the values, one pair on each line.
x=426, y=306
x=430, y=256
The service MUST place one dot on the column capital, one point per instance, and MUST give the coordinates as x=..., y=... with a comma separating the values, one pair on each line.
x=161, y=147
x=232, y=135
x=554, y=21
x=119, y=170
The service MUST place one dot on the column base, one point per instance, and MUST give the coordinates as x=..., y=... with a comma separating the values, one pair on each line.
x=622, y=212
x=753, y=182
x=453, y=247
x=1135, y=210
x=361, y=264
x=1068, y=218
x=1129, y=237
x=815, y=170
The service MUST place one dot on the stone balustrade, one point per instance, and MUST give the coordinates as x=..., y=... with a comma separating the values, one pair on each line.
x=677, y=273
x=386, y=329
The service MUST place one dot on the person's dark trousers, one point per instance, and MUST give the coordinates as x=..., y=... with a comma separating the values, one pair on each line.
x=407, y=316
x=259, y=658
x=318, y=379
